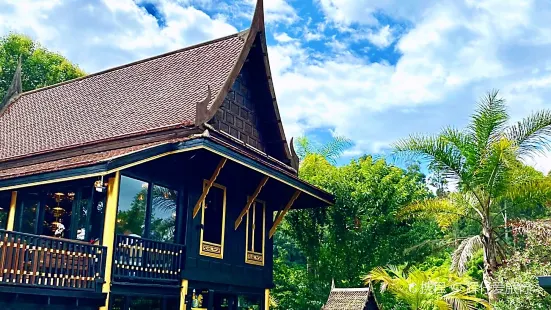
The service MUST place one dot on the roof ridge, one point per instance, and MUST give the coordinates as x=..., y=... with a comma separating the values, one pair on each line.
x=187, y=48
x=358, y=289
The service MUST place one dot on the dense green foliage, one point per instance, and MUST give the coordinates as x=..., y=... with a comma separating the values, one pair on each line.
x=359, y=232
x=40, y=67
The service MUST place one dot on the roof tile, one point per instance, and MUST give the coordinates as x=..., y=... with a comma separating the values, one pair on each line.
x=144, y=96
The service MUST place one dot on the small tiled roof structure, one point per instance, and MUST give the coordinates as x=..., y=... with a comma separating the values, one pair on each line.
x=350, y=299
x=130, y=107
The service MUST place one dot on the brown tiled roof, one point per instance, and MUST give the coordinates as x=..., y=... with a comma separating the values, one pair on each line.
x=74, y=162
x=150, y=95
x=347, y=299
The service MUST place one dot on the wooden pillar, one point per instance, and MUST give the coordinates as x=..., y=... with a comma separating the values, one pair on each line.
x=11, y=216
x=267, y=299
x=109, y=232
x=183, y=293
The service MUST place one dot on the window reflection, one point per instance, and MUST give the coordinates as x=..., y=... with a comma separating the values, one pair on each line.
x=255, y=227
x=213, y=210
x=5, y=201
x=163, y=214
x=248, y=303
x=258, y=227
x=132, y=207
x=29, y=208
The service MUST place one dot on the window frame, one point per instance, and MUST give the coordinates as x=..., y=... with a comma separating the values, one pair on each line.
x=251, y=257
x=211, y=244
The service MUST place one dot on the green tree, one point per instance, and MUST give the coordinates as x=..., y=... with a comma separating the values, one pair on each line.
x=433, y=289
x=482, y=160
x=532, y=258
x=40, y=67
x=359, y=232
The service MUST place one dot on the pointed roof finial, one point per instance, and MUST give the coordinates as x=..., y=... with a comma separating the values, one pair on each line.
x=332, y=283
x=15, y=88
x=295, y=161
x=258, y=17
x=202, y=109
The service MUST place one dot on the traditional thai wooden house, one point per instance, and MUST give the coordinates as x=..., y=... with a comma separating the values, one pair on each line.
x=154, y=185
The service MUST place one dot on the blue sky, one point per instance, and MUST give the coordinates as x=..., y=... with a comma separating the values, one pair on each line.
x=371, y=70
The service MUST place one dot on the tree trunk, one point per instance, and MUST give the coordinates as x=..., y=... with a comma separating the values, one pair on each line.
x=489, y=245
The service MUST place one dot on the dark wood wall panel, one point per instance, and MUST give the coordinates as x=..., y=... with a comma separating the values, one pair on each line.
x=238, y=115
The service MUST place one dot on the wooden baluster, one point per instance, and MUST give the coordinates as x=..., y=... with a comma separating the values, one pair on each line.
x=85, y=266
x=40, y=266
x=71, y=267
x=79, y=267
x=63, y=267
x=56, y=254
x=34, y=268
x=4, y=250
x=17, y=250
x=20, y=272
x=51, y=262
x=117, y=257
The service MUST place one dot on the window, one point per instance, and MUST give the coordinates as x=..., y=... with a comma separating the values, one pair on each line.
x=133, y=196
x=255, y=234
x=70, y=211
x=29, y=210
x=213, y=220
x=249, y=303
x=121, y=302
x=5, y=203
x=146, y=210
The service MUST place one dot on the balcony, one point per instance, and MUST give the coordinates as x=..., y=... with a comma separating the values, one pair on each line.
x=139, y=259
x=40, y=261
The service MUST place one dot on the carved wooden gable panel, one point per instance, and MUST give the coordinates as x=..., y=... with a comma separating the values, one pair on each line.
x=239, y=116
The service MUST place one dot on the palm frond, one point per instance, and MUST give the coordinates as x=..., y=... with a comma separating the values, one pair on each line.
x=334, y=148
x=303, y=147
x=465, y=252
x=491, y=173
x=458, y=300
x=532, y=134
x=331, y=150
x=488, y=121
x=434, y=245
x=437, y=151
x=443, y=210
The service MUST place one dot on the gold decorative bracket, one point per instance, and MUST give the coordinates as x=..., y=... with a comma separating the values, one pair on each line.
x=250, y=202
x=283, y=212
x=209, y=184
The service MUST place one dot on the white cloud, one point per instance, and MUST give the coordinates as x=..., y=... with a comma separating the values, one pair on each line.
x=283, y=38
x=381, y=38
x=363, y=11
x=101, y=34
x=450, y=55
x=277, y=11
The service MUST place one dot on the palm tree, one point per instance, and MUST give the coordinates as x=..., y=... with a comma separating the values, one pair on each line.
x=482, y=160
x=436, y=288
